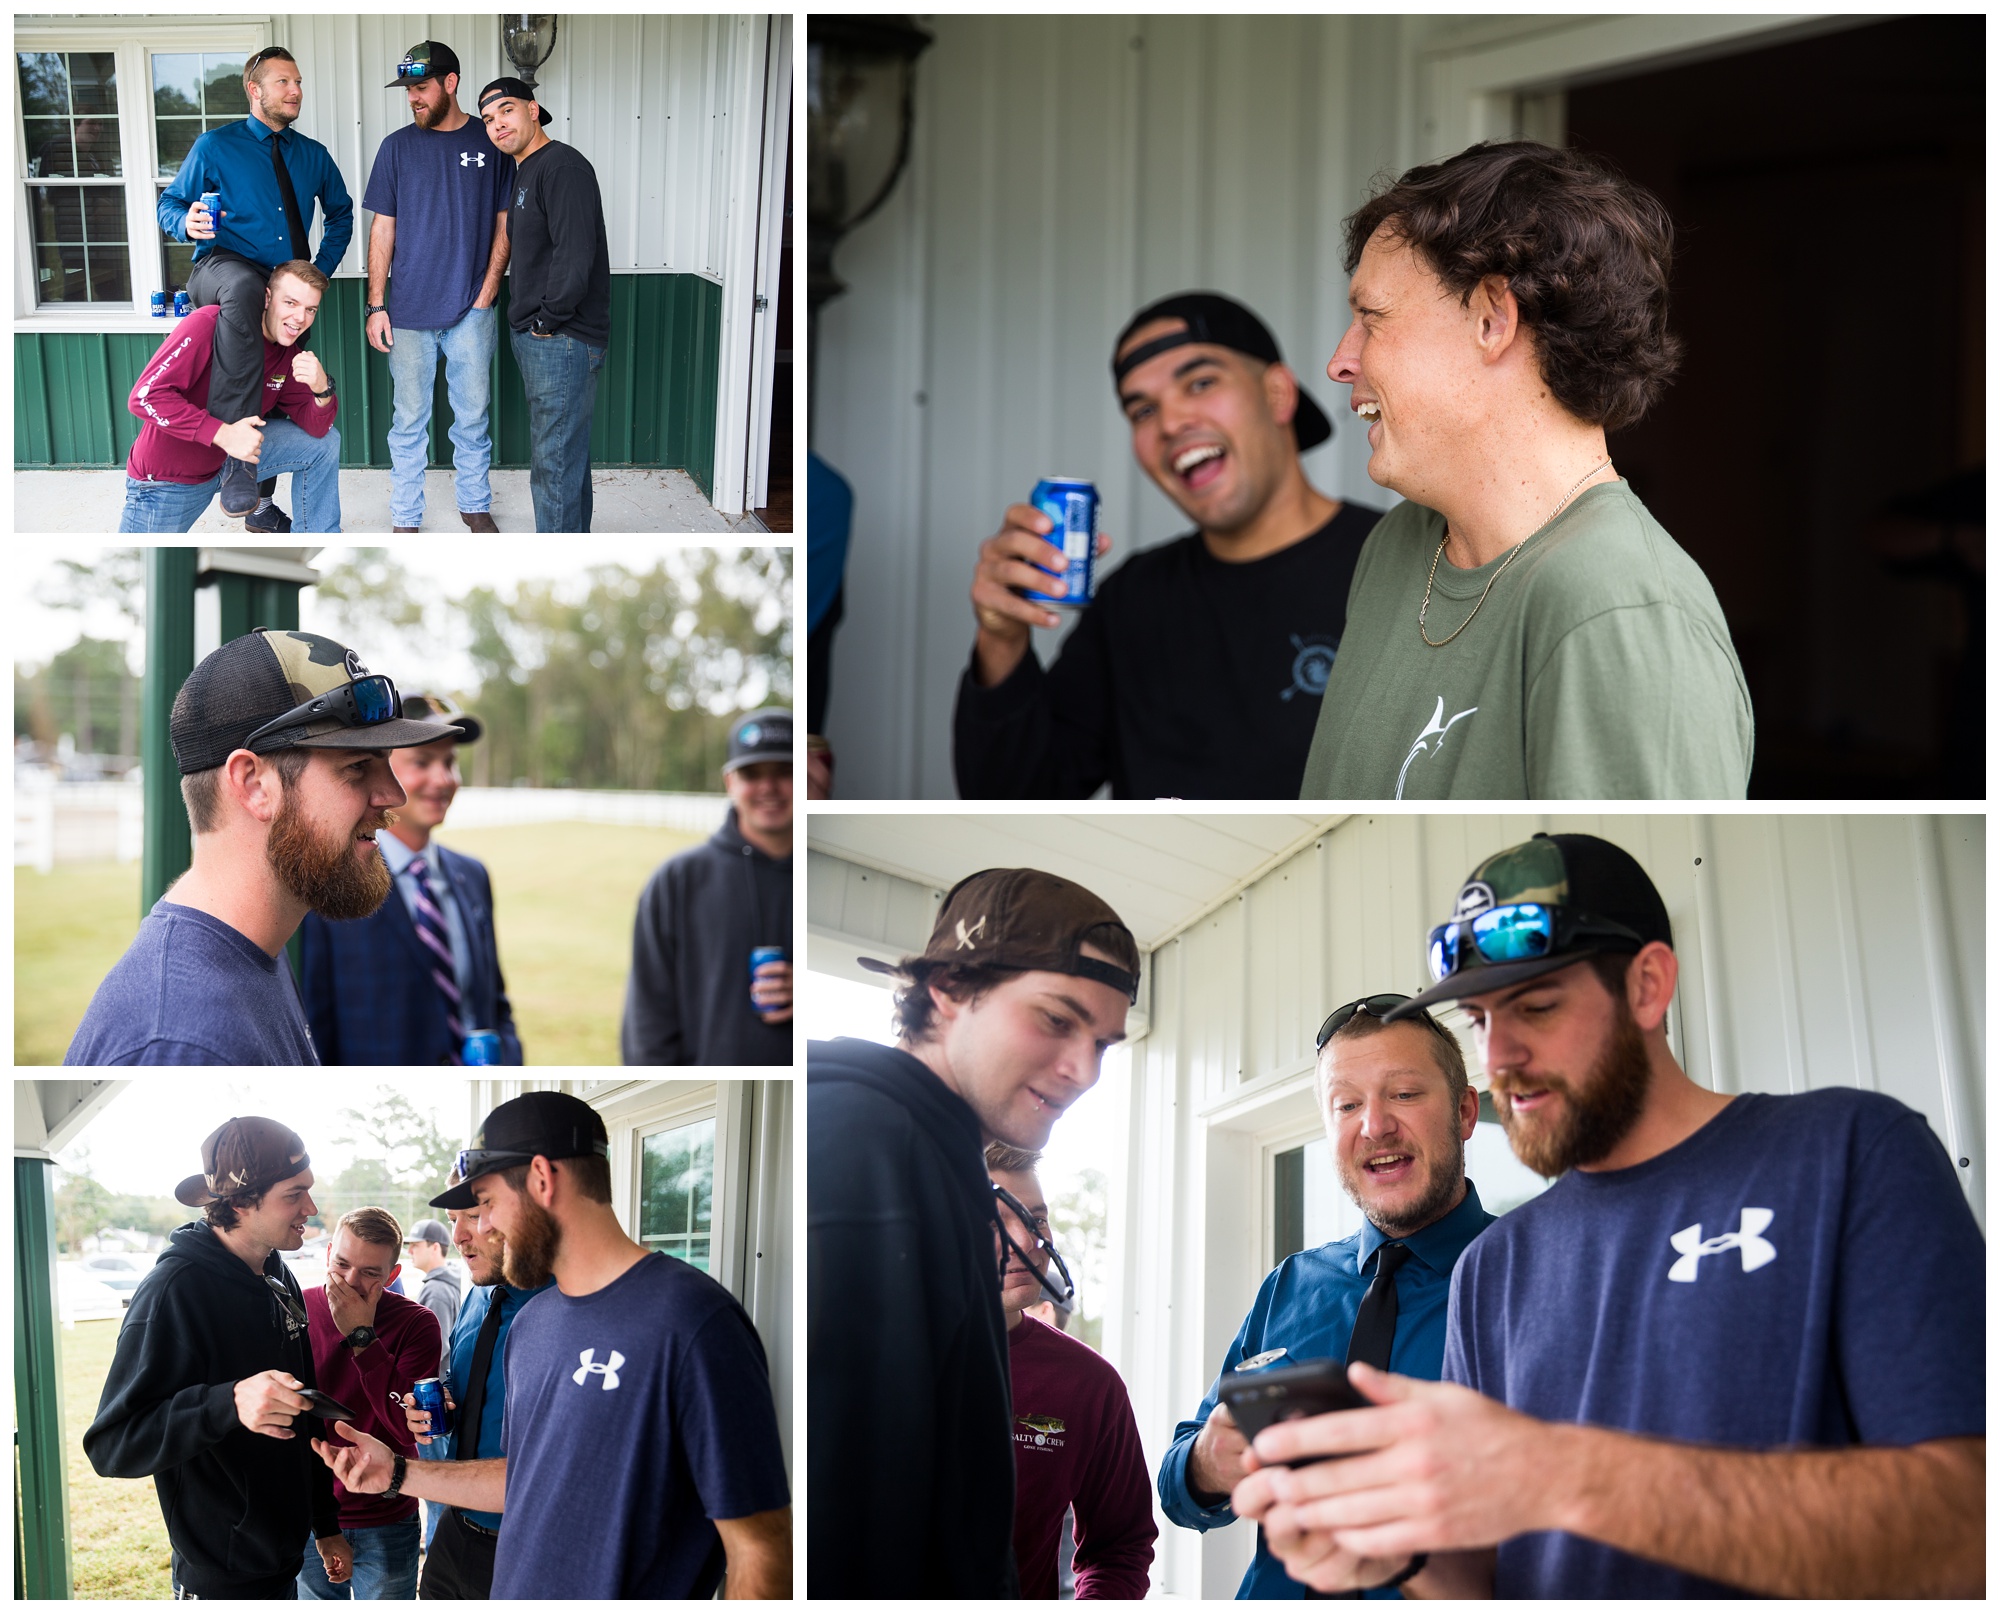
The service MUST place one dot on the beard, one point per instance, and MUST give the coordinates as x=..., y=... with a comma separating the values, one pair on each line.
x=1440, y=1193
x=1590, y=1122
x=528, y=1257
x=320, y=870
x=424, y=115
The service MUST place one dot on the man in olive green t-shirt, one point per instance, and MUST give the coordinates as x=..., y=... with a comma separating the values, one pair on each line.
x=1521, y=627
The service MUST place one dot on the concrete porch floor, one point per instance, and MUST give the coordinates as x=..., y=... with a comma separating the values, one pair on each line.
x=624, y=500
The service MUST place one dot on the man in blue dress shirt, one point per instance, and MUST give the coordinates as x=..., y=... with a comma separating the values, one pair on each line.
x=1398, y=1109
x=268, y=176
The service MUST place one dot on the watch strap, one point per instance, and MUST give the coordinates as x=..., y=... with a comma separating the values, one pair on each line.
x=1413, y=1567
x=401, y=1468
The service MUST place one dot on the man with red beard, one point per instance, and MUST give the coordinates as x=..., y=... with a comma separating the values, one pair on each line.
x=1398, y=1109
x=282, y=739
x=1738, y=1347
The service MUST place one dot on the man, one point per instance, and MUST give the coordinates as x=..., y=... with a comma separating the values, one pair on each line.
x=1398, y=1110
x=460, y=1548
x=1197, y=670
x=204, y=1387
x=1076, y=1443
x=429, y=1245
x=437, y=248
x=280, y=738
x=1001, y=1024
x=369, y=1346
x=177, y=463
x=1732, y=1349
x=559, y=312
x=642, y=1448
x=1522, y=627
x=261, y=168
x=418, y=981
x=692, y=998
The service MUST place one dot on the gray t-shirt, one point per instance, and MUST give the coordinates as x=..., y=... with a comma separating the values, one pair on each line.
x=191, y=990
x=1599, y=666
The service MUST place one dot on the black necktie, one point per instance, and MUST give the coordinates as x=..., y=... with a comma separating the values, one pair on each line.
x=1375, y=1323
x=294, y=221
x=475, y=1388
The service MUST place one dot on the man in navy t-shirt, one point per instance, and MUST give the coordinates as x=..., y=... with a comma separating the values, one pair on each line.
x=643, y=1457
x=436, y=251
x=1737, y=1348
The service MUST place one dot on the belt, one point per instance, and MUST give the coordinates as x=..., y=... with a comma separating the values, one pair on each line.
x=476, y=1529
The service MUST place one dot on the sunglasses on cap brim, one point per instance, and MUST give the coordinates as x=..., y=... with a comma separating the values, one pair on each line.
x=1515, y=933
x=1375, y=1007
x=361, y=704
x=478, y=1162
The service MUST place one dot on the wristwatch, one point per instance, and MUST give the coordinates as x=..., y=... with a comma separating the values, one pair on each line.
x=396, y=1478
x=541, y=327
x=323, y=396
x=361, y=1338
x=373, y=308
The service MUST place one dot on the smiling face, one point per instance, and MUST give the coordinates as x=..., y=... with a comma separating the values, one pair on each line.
x=279, y=1219
x=1398, y=1136
x=431, y=100
x=530, y=1239
x=322, y=843
x=367, y=1269
x=761, y=793
x=1020, y=1283
x=510, y=124
x=429, y=778
x=290, y=306
x=279, y=92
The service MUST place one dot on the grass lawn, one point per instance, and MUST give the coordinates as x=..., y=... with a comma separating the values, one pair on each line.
x=118, y=1541
x=564, y=896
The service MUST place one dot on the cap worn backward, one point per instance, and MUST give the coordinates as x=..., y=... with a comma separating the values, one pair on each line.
x=243, y=1155
x=763, y=736
x=1219, y=321
x=512, y=89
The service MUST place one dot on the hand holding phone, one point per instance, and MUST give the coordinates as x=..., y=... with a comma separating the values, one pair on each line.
x=1260, y=1398
x=324, y=1406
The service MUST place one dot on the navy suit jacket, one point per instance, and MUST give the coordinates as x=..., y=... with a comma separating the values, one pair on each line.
x=367, y=985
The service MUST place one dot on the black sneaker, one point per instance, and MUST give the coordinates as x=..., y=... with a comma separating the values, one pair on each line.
x=239, y=487
x=271, y=520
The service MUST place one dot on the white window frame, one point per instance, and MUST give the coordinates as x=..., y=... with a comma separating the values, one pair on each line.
x=133, y=47
x=654, y=1126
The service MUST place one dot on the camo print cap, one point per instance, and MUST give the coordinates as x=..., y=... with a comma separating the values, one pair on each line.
x=260, y=677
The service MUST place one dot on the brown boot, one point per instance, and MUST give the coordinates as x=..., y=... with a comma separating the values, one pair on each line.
x=478, y=520
x=402, y=529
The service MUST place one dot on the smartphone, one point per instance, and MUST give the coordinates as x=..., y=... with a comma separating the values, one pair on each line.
x=324, y=1406
x=1274, y=1395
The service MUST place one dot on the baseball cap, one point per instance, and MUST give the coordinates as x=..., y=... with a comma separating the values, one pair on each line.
x=243, y=1155
x=552, y=1124
x=270, y=675
x=443, y=709
x=1222, y=321
x=763, y=736
x=1026, y=919
x=423, y=63
x=1587, y=896
x=429, y=1231
x=515, y=89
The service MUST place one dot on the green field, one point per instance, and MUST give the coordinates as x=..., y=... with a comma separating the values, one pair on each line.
x=118, y=1541
x=563, y=895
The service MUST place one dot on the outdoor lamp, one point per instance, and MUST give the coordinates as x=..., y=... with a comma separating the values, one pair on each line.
x=528, y=42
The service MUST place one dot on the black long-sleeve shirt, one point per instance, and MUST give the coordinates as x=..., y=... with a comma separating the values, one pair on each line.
x=560, y=271
x=1187, y=676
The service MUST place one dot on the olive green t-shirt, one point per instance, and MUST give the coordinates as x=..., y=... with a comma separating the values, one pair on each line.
x=1599, y=666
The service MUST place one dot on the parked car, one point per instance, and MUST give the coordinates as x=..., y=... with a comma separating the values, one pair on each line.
x=120, y=1272
x=83, y=1297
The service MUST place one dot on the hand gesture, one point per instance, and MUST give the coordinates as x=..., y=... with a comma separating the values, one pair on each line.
x=267, y=1402
x=241, y=439
x=338, y=1557
x=350, y=1310
x=380, y=336
x=200, y=227
x=771, y=991
x=1215, y=1465
x=365, y=1467
x=306, y=368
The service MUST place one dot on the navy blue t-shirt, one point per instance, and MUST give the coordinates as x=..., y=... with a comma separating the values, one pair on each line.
x=635, y=1415
x=1803, y=1271
x=443, y=191
x=191, y=990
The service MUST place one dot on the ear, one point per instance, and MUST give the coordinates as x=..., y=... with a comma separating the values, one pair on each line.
x=251, y=784
x=1496, y=317
x=1468, y=1113
x=1650, y=983
x=541, y=1183
x=948, y=1007
x=1281, y=393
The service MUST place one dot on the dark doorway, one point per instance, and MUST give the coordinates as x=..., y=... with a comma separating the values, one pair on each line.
x=776, y=513
x=1822, y=452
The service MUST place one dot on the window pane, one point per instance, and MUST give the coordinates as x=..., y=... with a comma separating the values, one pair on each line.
x=677, y=1183
x=177, y=137
x=56, y=213
x=61, y=216
x=176, y=264
x=93, y=82
x=176, y=86
x=60, y=276
x=104, y=215
x=222, y=78
x=696, y=1254
x=50, y=150
x=97, y=146
x=110, y=275
x=44, y=84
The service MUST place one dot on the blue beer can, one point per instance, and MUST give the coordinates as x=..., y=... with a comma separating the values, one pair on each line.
x=182, y=307
x=481, y=1048
x=428, y=1396
x=1071, y=503
x=763, y=955
x=212, y=200
x=159, y=305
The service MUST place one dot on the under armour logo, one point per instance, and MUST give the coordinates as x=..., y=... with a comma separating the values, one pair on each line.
x=965, y=942
x=608, y=1369
x=1757, y=1250
x=472, y=159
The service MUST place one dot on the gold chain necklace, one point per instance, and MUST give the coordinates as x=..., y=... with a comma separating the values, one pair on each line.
x=1439, y=644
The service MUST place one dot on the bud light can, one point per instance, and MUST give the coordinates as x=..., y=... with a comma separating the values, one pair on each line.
x=481, y=1048
x=182, y=307
x=763, y=955
x=159, y=305
x=212, y=200
x=428, y=1396
x=1071, y=503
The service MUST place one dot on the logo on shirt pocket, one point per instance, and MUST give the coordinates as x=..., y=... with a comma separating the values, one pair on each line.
x=1042, y=1430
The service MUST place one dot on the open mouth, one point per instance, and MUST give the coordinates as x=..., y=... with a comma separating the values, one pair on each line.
x=1388, y=1165
x=1200, y=465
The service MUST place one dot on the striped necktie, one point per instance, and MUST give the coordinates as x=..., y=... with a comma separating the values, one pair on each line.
x=431, y=932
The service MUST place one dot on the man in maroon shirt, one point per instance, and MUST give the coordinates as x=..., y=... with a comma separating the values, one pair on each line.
x=1076, y=1443
x=175, y=467
x=369, y=1347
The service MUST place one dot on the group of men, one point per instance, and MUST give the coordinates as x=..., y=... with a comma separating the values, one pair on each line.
x=233, y=396
x=613, y=1432
x=313, y=790
x=1520, y=627
x=1732, y=1349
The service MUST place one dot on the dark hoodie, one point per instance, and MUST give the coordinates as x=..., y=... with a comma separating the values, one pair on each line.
x=911, y=1476
x=688, y=999
x=239, y=1506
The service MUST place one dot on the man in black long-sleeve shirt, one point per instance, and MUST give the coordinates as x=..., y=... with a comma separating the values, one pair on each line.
x=1197, y=670
x=559, y=307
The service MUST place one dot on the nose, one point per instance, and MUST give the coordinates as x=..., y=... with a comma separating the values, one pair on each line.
x=311, y=1208
x=1377, y=1120
x=389, y=791
x=1345, y=365
x=1498, y=1047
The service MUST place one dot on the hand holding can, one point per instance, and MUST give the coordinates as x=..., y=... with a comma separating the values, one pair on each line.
x=770, y=985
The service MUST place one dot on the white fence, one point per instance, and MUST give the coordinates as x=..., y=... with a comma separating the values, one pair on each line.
x=654, y=809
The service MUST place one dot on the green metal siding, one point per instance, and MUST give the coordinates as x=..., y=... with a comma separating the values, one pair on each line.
x=656, y=394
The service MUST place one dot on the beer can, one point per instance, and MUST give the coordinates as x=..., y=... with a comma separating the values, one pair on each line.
x=481, y=1048
x=182, y=307
x=763, y=955
x=1071, y=503
x=428, y=1394
x=159, y=305
x=212, y=200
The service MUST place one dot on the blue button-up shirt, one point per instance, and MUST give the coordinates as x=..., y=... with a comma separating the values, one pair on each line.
x=1307, y=1307
x=236, y=160
x=464, y=1341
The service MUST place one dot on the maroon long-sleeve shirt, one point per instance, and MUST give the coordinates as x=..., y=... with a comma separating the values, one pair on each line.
x=177, y=441
x=1076, y=1444
x=374, y=1383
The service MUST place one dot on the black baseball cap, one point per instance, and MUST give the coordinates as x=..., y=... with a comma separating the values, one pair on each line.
x=421, y=64
x=502, y=89
x=763, y=736
x=1603, y=900
x=1222, y=321
x=552, y=1124
x=1027, y=920
x=244, y=1155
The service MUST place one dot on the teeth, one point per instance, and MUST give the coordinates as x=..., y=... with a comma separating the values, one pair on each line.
x=1183, y=463
x=1369, y=411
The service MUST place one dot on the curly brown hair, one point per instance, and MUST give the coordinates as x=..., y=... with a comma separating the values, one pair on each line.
x=915, y=1012
x=1586, y=252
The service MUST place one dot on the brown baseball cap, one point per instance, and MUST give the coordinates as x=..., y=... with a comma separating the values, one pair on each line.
x=245, y=1154
x=1025, y=919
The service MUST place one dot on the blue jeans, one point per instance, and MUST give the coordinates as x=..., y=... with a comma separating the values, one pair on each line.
x=314, y=462
x=560, y=374
x=467, y=348
x=385, y=1564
